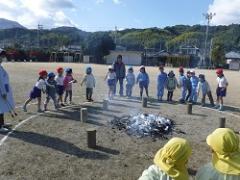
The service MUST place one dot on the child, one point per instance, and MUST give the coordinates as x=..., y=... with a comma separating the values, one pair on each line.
x=194, y=80
x=203, y=86
x=143, y=80
x=182, y=85
x=68, y=81
x=188, y=86
x=37, y=90
x=51, y=90
x=111, y=81
x=90, y=83
x=130, y=78
x=60, y=86
x=221, y=88
x=162, y=79
x=171, y=85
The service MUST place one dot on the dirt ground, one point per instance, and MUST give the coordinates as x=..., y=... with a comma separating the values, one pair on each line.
x=52, y=145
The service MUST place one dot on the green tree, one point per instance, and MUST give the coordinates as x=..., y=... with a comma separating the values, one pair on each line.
x=99, y=45
x=218, y=54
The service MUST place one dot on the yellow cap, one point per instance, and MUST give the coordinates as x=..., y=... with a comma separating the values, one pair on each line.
x=226, y=156
x=173, y=157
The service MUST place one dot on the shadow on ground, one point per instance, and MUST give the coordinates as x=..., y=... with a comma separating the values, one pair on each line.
x=74, y=114
x=60, y=145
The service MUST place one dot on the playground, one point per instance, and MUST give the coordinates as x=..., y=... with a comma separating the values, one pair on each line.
x=53, y=145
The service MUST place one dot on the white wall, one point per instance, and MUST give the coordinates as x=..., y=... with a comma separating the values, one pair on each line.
x=234, y=65
x=129, y=58
x=86, y=59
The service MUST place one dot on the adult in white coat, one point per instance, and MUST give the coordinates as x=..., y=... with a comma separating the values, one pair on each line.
x=6, y=95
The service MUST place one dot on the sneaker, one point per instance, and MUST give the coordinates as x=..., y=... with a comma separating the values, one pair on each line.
x=181, y=101
x=63, y=105
x=220, y=108
x=4, y=130
x=216, y=106
x=24, y=108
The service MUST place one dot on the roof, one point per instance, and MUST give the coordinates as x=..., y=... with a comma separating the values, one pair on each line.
x=158, y=54
x=124, y=52
x=189, y=47
x=233, y=55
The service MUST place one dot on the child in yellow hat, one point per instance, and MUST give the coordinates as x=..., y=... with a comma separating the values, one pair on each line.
x=225, y=156
x=170, y=161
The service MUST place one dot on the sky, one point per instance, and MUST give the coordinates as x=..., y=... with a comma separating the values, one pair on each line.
x=98, y=15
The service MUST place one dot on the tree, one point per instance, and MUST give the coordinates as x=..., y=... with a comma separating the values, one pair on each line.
x=218, y=54
x=99, y=45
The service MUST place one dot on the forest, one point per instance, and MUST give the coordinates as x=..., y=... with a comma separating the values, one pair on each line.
x=224, y=38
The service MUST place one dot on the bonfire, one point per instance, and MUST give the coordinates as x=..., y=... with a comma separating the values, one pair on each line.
x=142, y=125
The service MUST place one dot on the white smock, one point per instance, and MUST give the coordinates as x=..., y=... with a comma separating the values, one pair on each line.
x=6, y=105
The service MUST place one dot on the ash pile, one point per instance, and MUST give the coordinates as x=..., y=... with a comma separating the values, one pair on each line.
x=142, y=125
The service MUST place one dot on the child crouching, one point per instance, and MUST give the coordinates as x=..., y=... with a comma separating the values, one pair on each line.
x=171, y=85
x=90, y=83
x=51, y=90
x=203, y=86
x=130, y=78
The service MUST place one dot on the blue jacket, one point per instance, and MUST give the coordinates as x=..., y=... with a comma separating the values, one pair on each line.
x=162, y=79
x=204, y=87
x=130, y=79
x=183, y=81
x=194, y=81
x=143, y=77
x=119, y=69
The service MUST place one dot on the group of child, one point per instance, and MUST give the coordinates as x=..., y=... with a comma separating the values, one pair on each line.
x=191, y=86
x=56, y=85
x=142, y=79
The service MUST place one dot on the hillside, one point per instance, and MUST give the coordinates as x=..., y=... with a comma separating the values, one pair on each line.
x=7, y=24
x=168, y=38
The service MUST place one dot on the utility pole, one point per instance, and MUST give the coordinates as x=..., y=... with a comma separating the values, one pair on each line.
x=39, y=28
x=115, y=35
x=208, y=17
x=210, y=53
